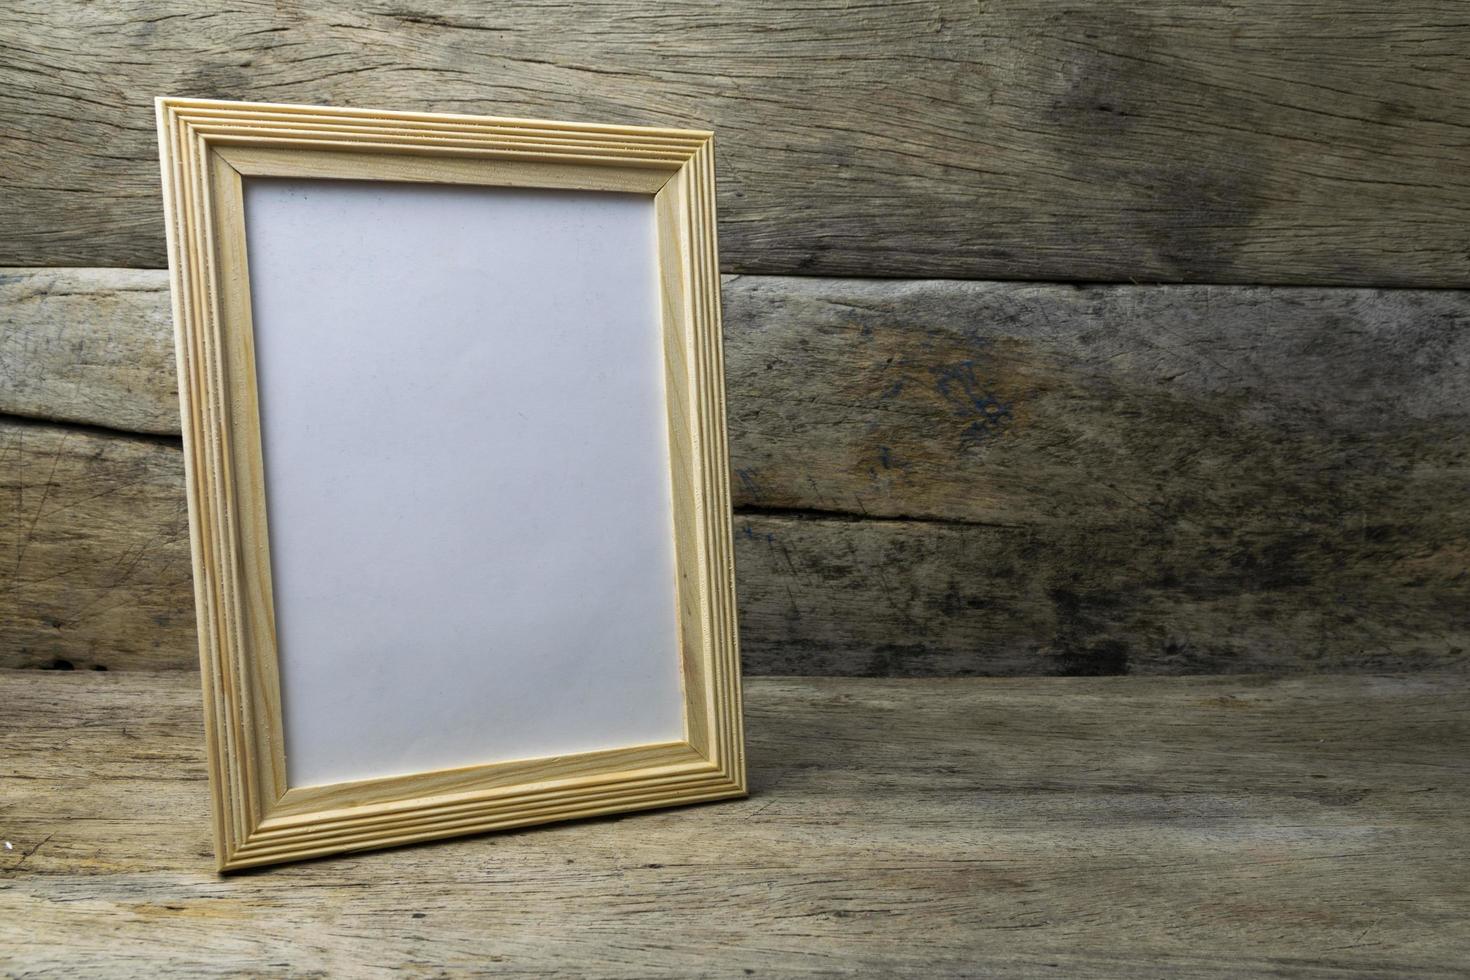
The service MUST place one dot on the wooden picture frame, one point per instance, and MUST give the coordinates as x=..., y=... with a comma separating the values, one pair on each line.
x=209, y=151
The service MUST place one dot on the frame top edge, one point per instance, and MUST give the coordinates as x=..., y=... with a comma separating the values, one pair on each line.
x=177, y=102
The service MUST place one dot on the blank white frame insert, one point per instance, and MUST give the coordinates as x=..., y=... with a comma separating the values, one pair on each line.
x=467, y=473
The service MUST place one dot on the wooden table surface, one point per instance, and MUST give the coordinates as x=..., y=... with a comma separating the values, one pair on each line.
x=1131, y=827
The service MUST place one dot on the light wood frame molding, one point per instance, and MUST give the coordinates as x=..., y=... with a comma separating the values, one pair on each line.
x=207, y=149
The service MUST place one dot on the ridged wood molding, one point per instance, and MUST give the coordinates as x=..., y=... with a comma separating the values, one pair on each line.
x=207, y=149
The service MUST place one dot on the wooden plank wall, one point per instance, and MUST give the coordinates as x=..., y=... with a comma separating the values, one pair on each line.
x=1262, y=467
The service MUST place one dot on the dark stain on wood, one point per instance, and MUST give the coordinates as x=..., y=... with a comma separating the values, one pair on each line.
x=1199, y=218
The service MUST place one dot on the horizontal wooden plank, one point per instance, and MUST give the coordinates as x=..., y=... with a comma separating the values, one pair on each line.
x=94, y=540
x=101, y=579
x=918, y=599
x=1195, y=408
x=942, y=399
x=1129, y=827
x=1316, y=142
x=89, y=345
x=1098, y=479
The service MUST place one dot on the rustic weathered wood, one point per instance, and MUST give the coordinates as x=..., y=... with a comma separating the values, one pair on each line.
x=1163, y=478
x=950, y=400
x=1132, y=827
x=88, y=345
x=834, y=595
x=1325, y=412
x=94, y=550
x=1075, y=479
x=901, y=598
x=1316, y=142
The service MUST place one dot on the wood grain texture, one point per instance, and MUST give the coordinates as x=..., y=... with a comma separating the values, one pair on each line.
x=1254, y=142
x=830, y=595
x=1128, y=827
x=1106, y=479
x=917, y=599
x=952, y=478
x=94, y=550
x=1191, y=406
x=88, y=345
